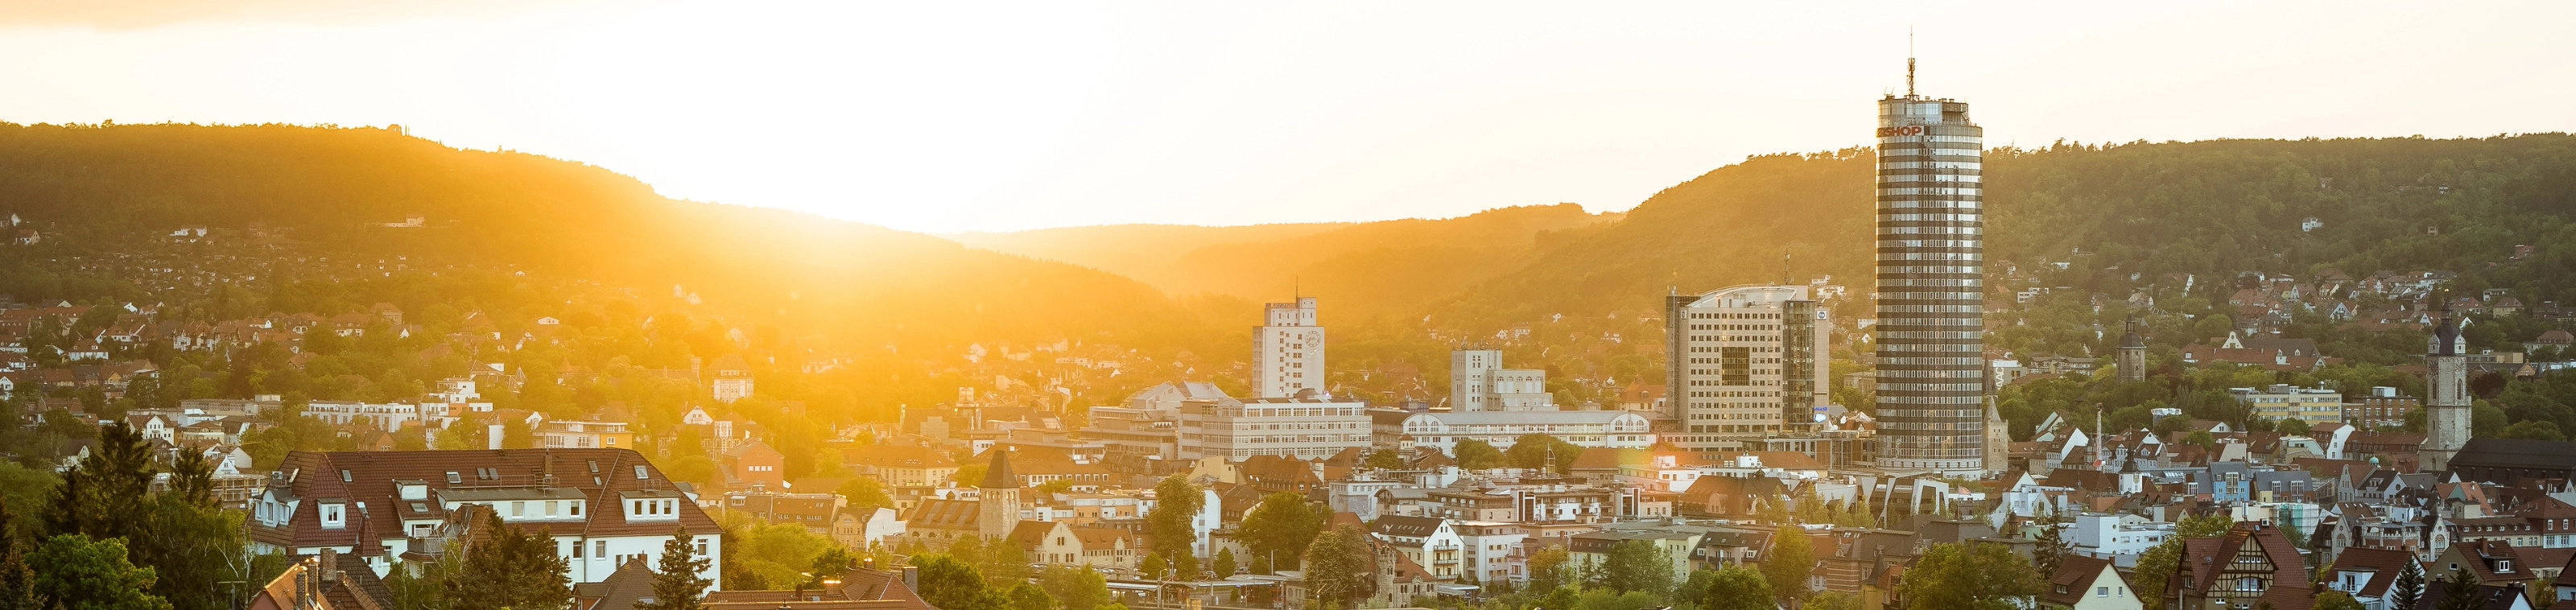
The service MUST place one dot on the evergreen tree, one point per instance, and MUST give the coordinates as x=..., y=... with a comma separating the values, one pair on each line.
x=511, y=569
x=676, y=583
x=17, y=582
x=2051, y=550
x=2409, y=587
x=1225, y=563
x=2460, y=592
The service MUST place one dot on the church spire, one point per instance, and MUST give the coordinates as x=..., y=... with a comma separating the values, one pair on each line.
x=998, y=475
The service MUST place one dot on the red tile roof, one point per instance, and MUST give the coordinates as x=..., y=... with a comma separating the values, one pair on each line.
x=366, y=481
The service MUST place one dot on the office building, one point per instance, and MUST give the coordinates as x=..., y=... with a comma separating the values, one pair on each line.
x=1288, y=351
x=1501, y=429
x=1745, y=363
x=1478, y=382
x=1931, y=313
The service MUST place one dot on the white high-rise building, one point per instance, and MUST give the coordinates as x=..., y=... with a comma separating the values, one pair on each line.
x=1745, y=364
x=1288, y=351
x=1478, y=382
x=1931, y=285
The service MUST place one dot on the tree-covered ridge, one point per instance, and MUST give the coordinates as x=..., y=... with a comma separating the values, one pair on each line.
x=88, y=187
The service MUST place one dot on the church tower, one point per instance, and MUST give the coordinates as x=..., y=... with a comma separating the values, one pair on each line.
x=2446, y=409
x=2132, y=359
x=998, y=507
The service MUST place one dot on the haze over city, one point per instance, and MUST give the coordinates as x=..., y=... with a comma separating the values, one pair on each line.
x=665, y=305
x=950, y=117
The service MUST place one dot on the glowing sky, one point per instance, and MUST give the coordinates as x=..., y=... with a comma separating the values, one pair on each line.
x=947, y=116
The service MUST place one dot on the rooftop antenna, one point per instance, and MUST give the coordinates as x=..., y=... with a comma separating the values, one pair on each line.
x=1784, y=266
x=1909, y=61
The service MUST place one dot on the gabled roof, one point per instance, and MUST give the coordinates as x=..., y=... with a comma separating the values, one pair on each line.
x=2384, y=565
x=2075, y=574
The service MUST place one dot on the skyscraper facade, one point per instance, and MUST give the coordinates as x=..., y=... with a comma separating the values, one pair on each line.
x=1931, y=265
x=1288, y=351
x=1744, y=365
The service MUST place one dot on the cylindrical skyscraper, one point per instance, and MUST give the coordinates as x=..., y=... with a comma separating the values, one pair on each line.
x=1931, y=283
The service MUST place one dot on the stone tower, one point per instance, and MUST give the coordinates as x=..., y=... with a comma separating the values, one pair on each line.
x=2446, y=408
x=998, y=509
x=2132, y=359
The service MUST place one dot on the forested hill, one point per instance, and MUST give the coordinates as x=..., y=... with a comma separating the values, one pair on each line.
x=2211, y=208
x=334, y=190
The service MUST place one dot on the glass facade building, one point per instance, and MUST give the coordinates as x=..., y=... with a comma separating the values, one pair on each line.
x=1931, y=281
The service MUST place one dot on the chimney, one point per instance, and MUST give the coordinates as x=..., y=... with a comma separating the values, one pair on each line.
x=912, y=578
x=493, y=436
x=330, y=563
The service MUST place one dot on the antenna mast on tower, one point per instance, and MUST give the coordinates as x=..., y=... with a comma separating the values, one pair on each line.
x=1909, y=61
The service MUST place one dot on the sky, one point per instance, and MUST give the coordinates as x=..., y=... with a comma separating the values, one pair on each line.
x=996, y=116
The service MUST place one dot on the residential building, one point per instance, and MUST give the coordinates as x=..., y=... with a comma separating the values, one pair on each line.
x=1288, y=351
x=2087, y=583
x=2283, y=401
x=584, y=434
x=1478, y=382
x=601, y=506
x=1930, y=331
x=1744, y=363
x=812, y=510
x=732, y=379
x=2251, y=565
x=2382, y=408
x=900, y=465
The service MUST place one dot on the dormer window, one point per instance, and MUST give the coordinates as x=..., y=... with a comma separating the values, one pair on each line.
x=2504, y=566
x=334, y=516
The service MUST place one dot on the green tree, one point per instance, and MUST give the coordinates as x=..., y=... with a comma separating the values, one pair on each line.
x=1077, y=588
x=1279, y=528
x=2051, y=550
x=1968, y=576
x=1384, y=459
x=511, y=569
x=1474, y=454
x=1224, y=563
x=1639, y=566
x=78, y=572
x=1177, y=501
x=1791, y=562
x=2460, y=591
x=1737, y=587
x=1154, y=566
x=2154, y=566
x=1003, y=563
x=1550, y=568
x=2409, y=588
x=96, y=495
x=17, y=581
x=2337, y=600
x=1025, y=596
x=2532, y=430
x=865, y=494
x=1832, y=600
x=1340, y=570
x=950, y=584
x=677, y=584
x=1535, y=451
x=832, y=564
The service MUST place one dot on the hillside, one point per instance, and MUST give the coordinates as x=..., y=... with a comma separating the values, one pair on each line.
x=334, y=189
x=2212, y=208
x=1364, y=269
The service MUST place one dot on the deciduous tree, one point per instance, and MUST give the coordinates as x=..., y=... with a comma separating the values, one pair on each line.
x=1280, y=527
x=1968, y=577
x=1792, y=560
